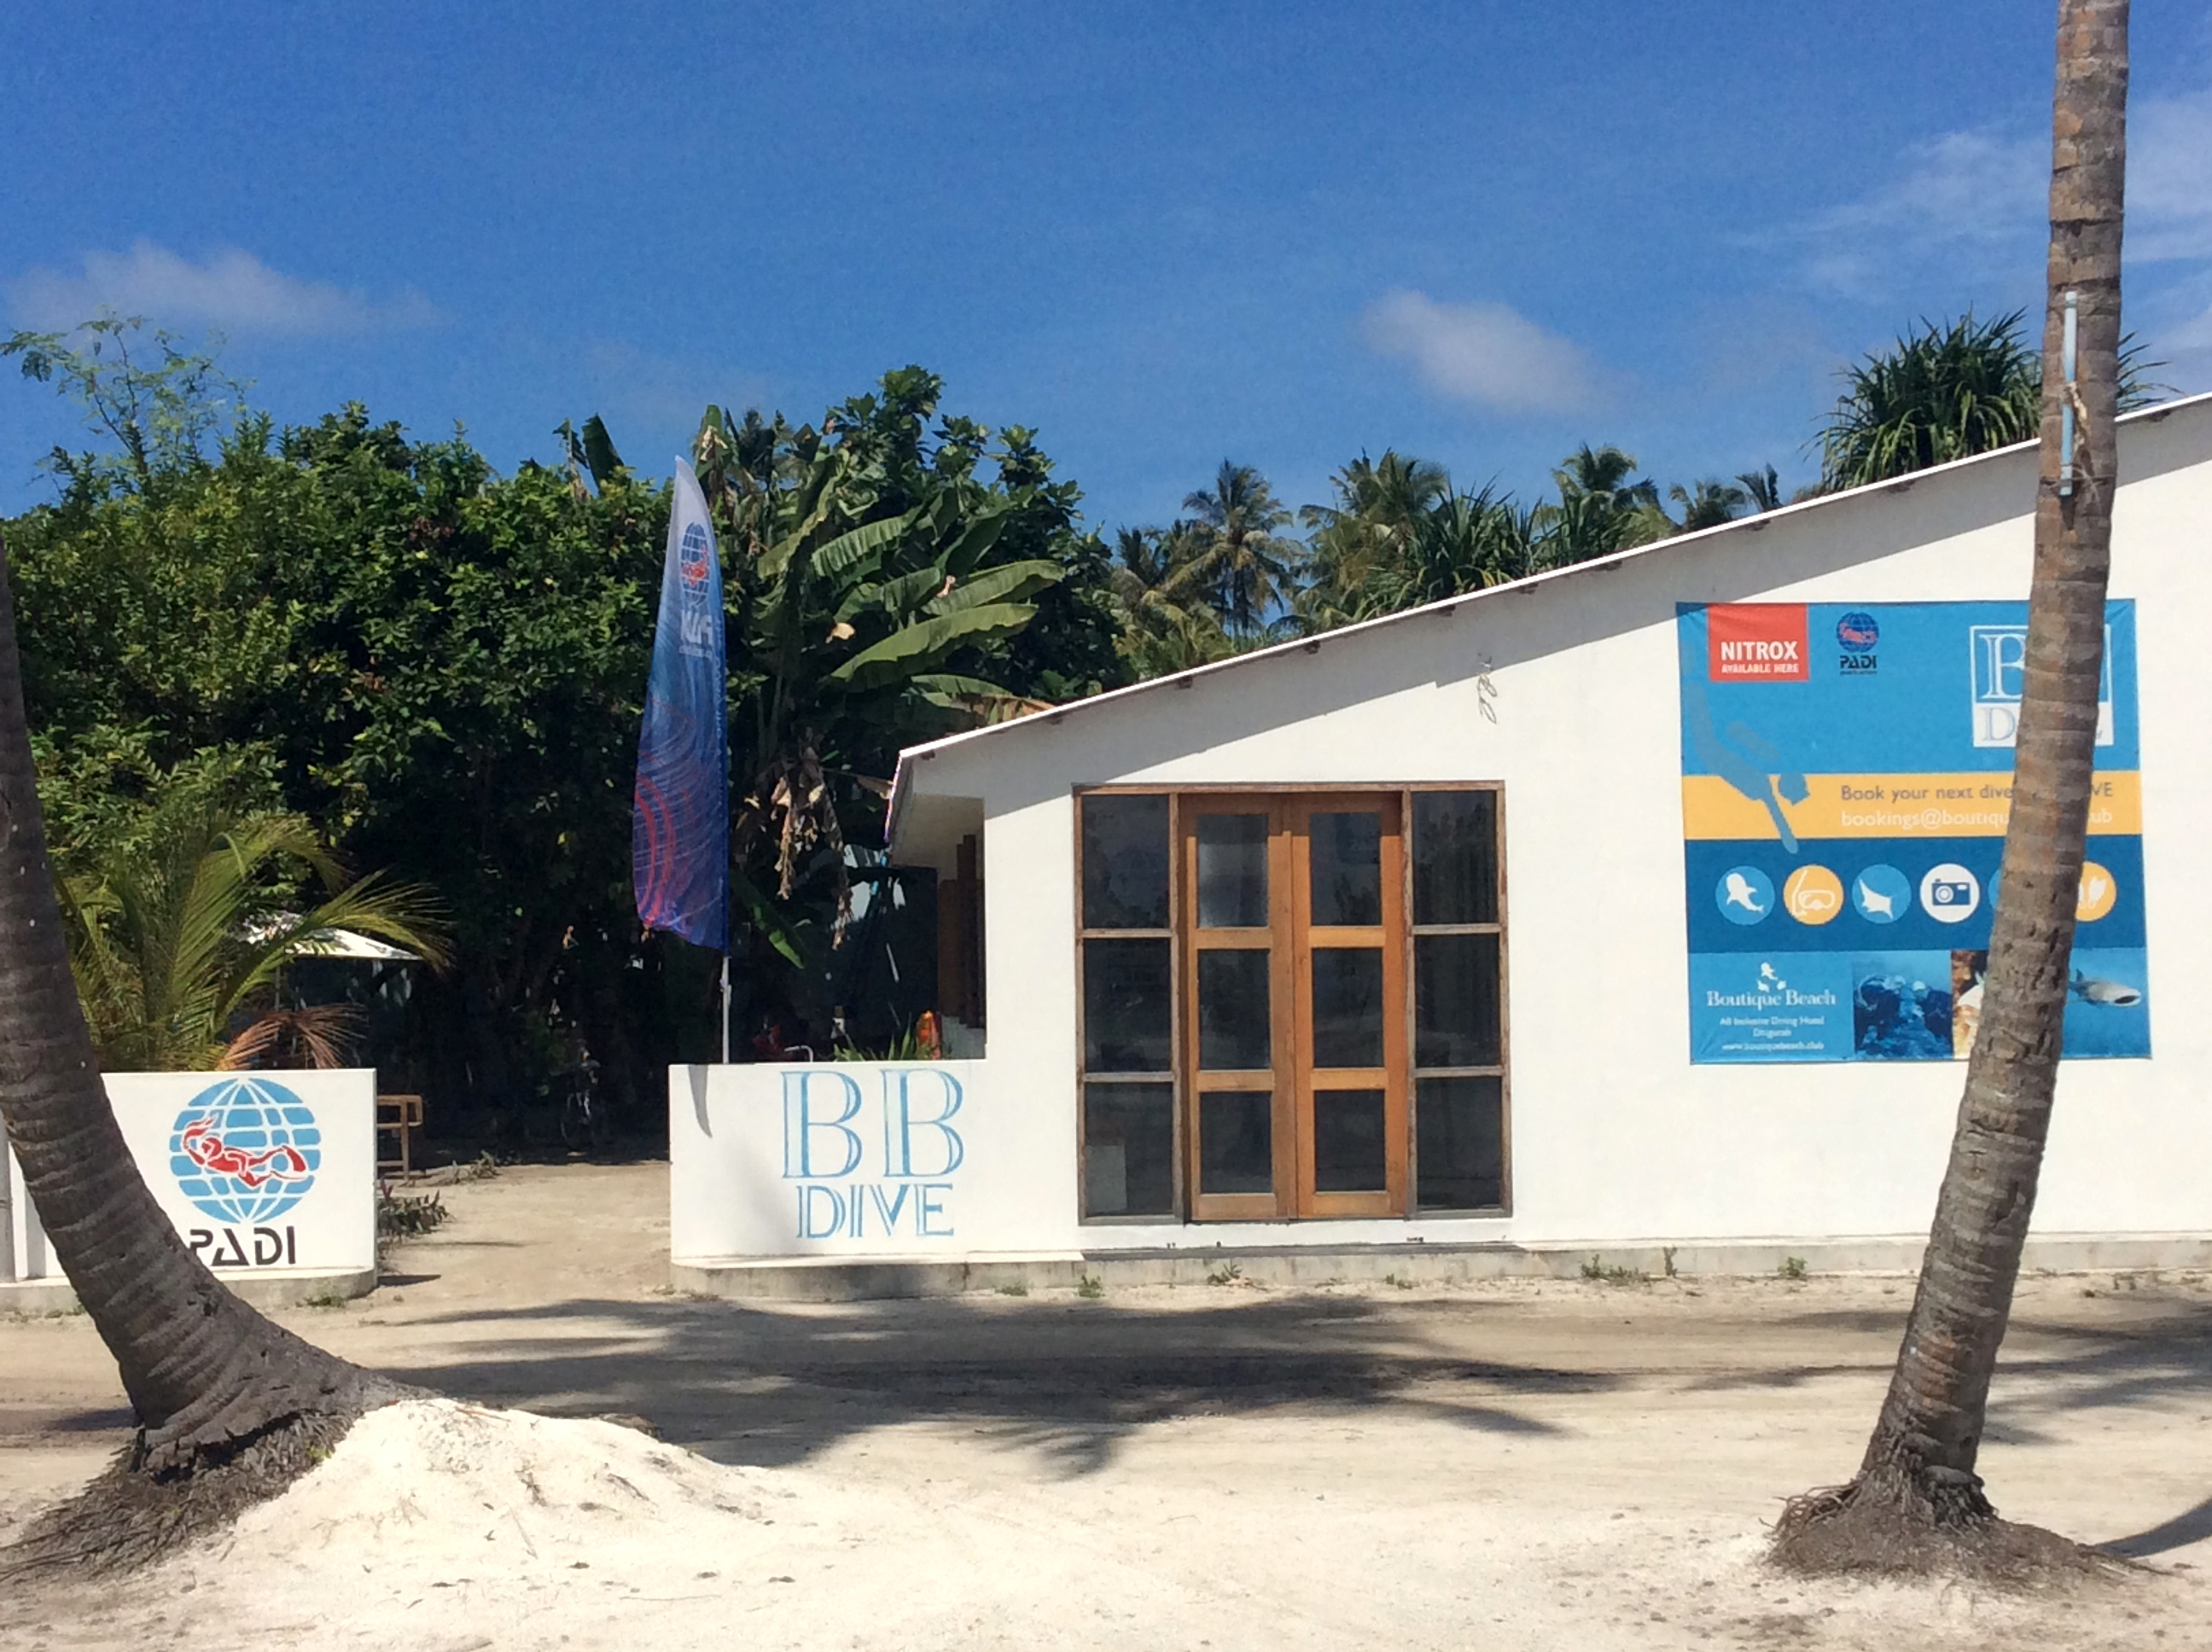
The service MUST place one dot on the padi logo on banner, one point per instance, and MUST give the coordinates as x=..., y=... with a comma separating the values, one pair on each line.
x=880, y=1171
x=2000, y=672
x=1756, y=642
x=693, y=562
x=1856, y=634
x=245, y=1152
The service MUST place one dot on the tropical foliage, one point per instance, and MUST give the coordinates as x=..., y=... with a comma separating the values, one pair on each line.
x=442, y=667
x=1397, y=533
x=881, y=590
x=181, y=934
x=1946, y=390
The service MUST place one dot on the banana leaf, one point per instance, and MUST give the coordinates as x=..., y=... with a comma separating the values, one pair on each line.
x=977, y=538
x=848, y=550
x=1008, y=583
x=906, y=652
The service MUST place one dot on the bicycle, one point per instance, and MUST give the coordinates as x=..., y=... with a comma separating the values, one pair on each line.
x=584, y=1122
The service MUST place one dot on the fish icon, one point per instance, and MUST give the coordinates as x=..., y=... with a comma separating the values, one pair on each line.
x=1740, y=893
x=1874, y=902
x=2112, y=994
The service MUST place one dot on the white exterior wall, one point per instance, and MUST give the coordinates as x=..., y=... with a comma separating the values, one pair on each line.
x=1615, y=1134
x=331, y=1229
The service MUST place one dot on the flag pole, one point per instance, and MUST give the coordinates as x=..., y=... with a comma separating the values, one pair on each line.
x=726, y=1009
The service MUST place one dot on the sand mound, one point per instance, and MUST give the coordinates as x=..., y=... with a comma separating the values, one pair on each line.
x=436, y=1482
x=439, y=1525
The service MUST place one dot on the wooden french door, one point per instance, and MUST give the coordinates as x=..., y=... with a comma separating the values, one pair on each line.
x=1294, y=993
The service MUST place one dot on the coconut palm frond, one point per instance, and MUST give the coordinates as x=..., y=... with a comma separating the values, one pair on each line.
x=321, y=1036
x=172, y=947
x=404, y=914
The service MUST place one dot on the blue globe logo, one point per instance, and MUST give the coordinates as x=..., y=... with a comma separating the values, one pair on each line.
x=245, y=1150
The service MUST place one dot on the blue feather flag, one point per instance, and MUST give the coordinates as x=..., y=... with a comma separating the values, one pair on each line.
x=680, y=832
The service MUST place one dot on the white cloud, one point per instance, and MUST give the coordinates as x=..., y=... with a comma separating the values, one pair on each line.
x=229, y=291
x=2170, y=179
x=1488, y=353
x=1977, y=203
x=1975, y=197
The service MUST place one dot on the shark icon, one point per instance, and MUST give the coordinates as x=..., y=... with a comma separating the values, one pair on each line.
x=1740, y=893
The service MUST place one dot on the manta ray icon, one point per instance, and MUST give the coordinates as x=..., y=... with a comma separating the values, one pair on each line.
x=1877, y=904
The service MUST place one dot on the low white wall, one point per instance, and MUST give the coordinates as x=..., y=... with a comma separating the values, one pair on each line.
x=265, y=1174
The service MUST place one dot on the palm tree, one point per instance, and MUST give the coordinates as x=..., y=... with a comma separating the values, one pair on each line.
x=1250, y=569
x=219, y=1392
x=1947, y=391
x=1604, y=506
x=1379, y=503
x=1763, y=488
x=1917, y=1499
x=1167, y=625
x=1709, y=504
x=177, y=950
x=1944, y=392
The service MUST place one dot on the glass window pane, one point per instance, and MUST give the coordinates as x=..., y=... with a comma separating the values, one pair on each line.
x=1126, y=1019
x=1128, y=1150
x=1346, y=853
x=1455, y=857
x=1460, y=1126
x=1347, y=1006
x=1351, y=1154
x=1233, y=1034
x=1236, y=1141
x=1125, y=863
x=1232, y=872
x=1456, y=1018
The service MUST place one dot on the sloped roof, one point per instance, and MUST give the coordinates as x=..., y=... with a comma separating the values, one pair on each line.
x=901, y=790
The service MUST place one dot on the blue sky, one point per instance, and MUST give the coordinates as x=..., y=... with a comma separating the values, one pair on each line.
x=1162, y=234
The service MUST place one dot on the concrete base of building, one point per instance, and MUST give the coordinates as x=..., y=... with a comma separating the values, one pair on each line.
x=858, y=1279
x=47, y=1297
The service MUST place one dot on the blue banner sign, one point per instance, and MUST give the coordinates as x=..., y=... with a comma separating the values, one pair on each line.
x=1846, y=779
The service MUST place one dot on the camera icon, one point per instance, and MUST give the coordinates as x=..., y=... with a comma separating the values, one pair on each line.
x=1950, y=894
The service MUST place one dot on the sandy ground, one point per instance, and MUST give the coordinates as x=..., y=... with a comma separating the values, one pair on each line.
x=1522, y=1465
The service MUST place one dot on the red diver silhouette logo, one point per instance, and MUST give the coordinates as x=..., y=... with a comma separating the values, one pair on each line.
x=254, y=1170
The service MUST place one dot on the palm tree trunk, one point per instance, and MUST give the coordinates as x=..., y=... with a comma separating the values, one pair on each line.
x=1920, y=1462
x=207, y=1376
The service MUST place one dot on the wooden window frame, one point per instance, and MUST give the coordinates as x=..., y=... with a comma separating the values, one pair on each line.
x=1407, y=1073
x=1179, y=1202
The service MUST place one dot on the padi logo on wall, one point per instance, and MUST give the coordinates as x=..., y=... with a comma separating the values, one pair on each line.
x=245, y=1152
x=1856, y=634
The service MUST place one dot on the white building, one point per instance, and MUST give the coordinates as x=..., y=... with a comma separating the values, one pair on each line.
x=1629, y=908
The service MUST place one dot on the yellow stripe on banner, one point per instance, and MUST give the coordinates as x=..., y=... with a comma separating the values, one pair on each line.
x=1895, y=805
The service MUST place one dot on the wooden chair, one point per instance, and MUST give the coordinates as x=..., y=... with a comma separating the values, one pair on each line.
x=401, y=1118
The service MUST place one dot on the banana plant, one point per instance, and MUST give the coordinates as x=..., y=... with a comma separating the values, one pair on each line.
x=865, y=593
